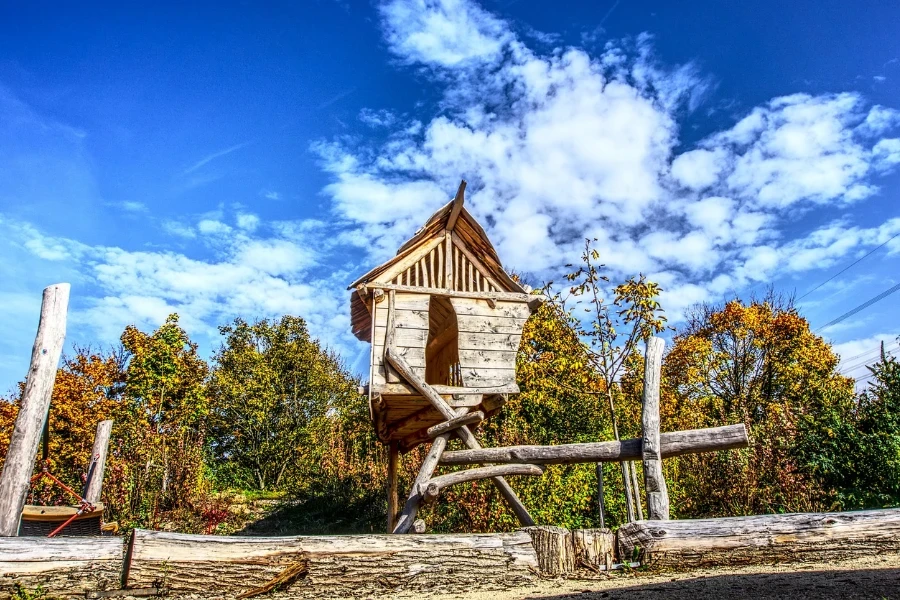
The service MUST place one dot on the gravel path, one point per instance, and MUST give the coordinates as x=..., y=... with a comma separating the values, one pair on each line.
x=872, y=578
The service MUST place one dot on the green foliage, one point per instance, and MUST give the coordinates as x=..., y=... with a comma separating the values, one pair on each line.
x=274, y=389
x=853, y=446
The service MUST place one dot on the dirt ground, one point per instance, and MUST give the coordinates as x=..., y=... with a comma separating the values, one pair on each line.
x=873, y=578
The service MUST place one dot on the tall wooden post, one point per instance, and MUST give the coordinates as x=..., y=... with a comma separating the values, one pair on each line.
x=657, y=494
x=97, y=462
x=26, y=436
x=392, y=499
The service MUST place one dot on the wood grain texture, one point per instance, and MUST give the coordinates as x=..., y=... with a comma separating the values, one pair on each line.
x=654, y=482
x=761, y=539
x=675, y=443
x=97, y=464
x=338, y=566
x=35, y=403
x=436, y=484
x=65, y=567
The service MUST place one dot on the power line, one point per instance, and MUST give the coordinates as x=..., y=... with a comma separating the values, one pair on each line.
x=861, y=307
x=870, y=356
x=851, y=265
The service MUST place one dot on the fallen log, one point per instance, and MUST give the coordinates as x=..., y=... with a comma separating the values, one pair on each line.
x=674, y=443
x=761, y=539
x=336, y=566
x=64, y=567
x=436, y=484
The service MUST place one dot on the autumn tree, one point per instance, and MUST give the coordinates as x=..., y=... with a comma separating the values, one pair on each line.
x=274, y=389
x=757, y=364
x=165, y=395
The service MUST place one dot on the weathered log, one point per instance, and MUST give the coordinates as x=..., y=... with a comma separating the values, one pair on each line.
x=554, y=548
x=392, y=494
x=436, y=484
x=674, y=443
x=761, y=539
x=338, y=566
x=65, y=567
x=33, y=409
x=654, y=482
x=463, y=432
x=469, y=419
x=594, y=548
x=97, y=463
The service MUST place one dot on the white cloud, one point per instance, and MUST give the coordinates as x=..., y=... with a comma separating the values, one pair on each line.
x=247, y=221
x=565, y=146
x=442, y=32
x=133, y=206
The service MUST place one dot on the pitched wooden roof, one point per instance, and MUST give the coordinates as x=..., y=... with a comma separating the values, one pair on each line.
x=466, y=234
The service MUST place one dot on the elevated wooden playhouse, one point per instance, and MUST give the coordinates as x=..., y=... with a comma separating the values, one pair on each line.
x=453, y=316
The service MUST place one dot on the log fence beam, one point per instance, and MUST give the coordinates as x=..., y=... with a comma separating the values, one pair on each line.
x=674, y=443
x=97, y=463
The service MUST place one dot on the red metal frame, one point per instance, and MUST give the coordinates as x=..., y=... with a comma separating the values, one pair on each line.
x=84, y=507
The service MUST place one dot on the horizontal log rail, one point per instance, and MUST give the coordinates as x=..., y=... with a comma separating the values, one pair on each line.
x=674, y=443
x=436, y=484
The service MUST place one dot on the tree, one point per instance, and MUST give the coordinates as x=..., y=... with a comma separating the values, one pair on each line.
x=852, y=446
x=613, y=333
x=274, y=388
x=758, y=364
x=166, y=396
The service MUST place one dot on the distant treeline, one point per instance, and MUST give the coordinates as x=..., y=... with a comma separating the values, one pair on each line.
x=275, y=410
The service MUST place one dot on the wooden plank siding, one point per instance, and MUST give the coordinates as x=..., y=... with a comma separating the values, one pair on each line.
x=489, y=338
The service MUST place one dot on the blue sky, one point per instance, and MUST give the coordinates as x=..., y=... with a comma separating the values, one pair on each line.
x=229, y=159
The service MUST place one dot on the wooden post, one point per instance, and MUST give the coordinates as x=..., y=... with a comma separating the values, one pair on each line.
x=97, y=463
x=26, y=436
x=392, y=500
x=655, y=484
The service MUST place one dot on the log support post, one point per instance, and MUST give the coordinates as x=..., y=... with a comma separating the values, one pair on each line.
x=93, y=486
x=392, y=495
x=26, y=436
x=463, y=431
x=654, y=482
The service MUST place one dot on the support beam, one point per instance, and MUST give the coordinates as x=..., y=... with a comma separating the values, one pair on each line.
x=97, y=463
x=26, y=436
x=671, y=444
x=475, y=417
x=434, y=487
x=411, y=508
x=392, y=496
x=654, y=482
x=463, y=432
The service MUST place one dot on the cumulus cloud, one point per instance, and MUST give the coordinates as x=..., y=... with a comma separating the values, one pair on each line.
x=565, y=145
x=258, y=272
